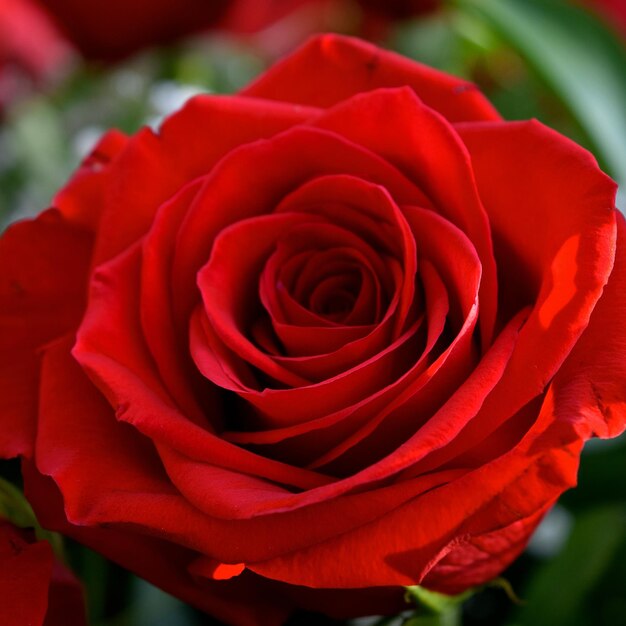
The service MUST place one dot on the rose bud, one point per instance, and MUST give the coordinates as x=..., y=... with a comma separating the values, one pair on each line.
x=344, y=331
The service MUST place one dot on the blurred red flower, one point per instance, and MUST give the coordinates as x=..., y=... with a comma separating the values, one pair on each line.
x=31, y=48
x=109, y=30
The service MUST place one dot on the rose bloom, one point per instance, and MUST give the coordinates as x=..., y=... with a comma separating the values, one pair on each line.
x=36, y=589
x=345, y=331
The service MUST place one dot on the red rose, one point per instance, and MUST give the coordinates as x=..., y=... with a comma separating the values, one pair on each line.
x=345, y=331
x=109, y=30
x=36, y=589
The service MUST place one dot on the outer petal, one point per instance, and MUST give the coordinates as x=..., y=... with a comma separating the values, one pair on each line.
x=554, y=226
x=194, y=580
x=404, y=545
x=42, y=295
x=166, y=565
x=81, y=201
x=337, y=68
x=45, y=265
x=591, y=385
x=155, y=166
x=111, y=348
x=472, y=560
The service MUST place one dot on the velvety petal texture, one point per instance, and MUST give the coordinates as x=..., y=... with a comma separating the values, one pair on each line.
x=342, y=332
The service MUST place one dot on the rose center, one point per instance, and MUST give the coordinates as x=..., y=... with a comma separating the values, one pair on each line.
x=334, y=296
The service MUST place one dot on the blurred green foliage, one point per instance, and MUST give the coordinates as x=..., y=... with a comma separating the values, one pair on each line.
x=43, y=139
x=581, y=61
x=559, y=593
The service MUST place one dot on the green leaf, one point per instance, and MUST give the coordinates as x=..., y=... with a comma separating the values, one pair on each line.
x=15, y=508
x=580, y=60
x=557, y=593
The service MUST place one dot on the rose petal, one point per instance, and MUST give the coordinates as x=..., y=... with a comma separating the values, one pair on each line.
x=477, y=558
x=287, y=315
x=420, y=386
x=201, y=133
x=280, y=407
x=399, y=547
x=340, y=67
x=135, y=487
x=423, y=146
x=164, y=564
x=229, y=276
x=281, y=270
x=567, y=261
x=163, y=338
x=370, y=211
x=81, y=200
x=314, y=438
x=591, y=385
x=42, y=293
x=110, y=347
x=225, y=200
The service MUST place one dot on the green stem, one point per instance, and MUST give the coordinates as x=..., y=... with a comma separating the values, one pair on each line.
x=451, y=616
